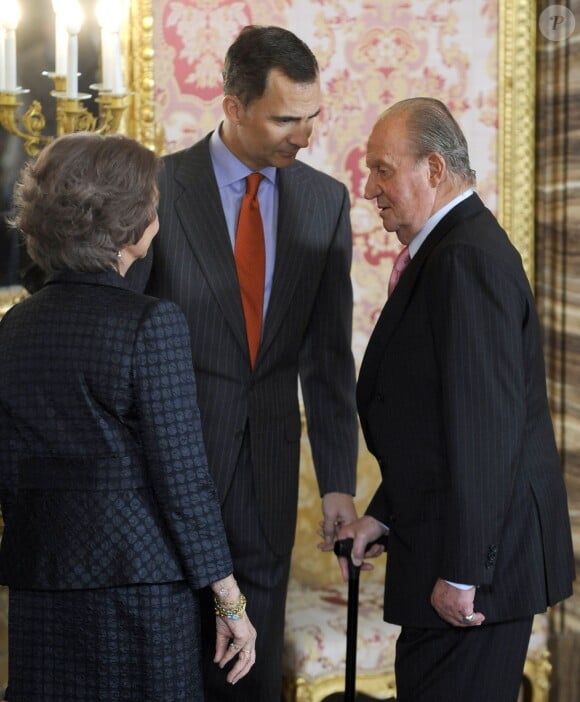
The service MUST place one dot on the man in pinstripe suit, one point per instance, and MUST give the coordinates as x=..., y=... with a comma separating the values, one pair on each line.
x=452, y=401
x=250, y=415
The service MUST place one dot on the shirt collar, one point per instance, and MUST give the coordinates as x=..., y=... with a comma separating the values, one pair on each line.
x=434, y=220
x=228, y=167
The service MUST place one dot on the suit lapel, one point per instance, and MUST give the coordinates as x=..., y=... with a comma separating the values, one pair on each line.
x=399, y=300
x=296, y=218
x=199, y=209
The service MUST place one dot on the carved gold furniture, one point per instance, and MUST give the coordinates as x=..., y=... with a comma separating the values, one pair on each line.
x=314, y=659
x=315, y=640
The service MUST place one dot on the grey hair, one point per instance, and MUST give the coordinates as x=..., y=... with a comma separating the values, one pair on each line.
x=432, y=128
x=84, y=198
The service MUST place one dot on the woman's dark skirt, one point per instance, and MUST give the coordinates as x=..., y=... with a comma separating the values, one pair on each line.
x=123, y=644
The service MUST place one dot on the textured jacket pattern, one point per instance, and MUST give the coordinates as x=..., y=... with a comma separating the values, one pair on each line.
x=103, y=472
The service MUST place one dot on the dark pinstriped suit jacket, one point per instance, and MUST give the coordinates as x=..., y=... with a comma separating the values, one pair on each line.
x=307, y=331
x=103, y=474
x=452, y=400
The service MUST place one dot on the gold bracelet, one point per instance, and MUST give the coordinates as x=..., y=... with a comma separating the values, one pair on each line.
x=228, y=610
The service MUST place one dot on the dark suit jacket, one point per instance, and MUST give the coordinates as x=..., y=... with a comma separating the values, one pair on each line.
x=103, y=474
x=452, y=401
x=307, y=331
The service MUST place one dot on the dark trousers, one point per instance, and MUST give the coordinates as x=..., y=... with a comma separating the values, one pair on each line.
x=263, y=578
x=478, y=664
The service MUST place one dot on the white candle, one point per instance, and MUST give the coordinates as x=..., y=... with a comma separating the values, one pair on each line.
x=60, y=37
x=11, y=18
x=10, y=59
x=73, y=27
x=110, y=15
x=118, y=87
x=2, y=58
x=104, y=19
x=72, y=70
x=61, y=41
x=106, y=61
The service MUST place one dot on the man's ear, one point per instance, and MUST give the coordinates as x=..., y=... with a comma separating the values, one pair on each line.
x=437, y=168
x=232, y=108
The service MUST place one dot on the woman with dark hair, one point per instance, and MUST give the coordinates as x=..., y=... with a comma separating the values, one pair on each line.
x=111, y=519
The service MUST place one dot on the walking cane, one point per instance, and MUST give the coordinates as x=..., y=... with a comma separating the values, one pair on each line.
x=343, y=548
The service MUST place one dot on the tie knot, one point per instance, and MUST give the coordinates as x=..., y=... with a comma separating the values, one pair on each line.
x=402, y=260
x=398, y=267
x=253, y=183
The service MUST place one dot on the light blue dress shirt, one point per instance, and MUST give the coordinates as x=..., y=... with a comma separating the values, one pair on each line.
x=231, y=174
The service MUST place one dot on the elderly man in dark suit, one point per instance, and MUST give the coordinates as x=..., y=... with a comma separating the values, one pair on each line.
x=452, y=400
x=247, y=378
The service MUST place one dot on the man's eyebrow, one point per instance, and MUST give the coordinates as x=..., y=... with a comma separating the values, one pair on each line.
x=293, y=118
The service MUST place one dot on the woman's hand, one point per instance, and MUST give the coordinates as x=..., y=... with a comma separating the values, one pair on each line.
x=235, y=634
x=235, y=637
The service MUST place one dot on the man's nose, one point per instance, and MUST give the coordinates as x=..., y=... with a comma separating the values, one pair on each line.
x=371, y=190
x=301, y=135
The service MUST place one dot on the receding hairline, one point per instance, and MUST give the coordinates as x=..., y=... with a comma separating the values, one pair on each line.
x=430, y=127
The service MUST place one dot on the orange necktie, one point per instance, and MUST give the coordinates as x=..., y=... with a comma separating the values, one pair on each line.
x=250, y=255
x=401, y=262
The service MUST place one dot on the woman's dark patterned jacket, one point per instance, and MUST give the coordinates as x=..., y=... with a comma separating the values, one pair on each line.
x=103, y=473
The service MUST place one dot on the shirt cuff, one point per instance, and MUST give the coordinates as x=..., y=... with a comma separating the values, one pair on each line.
x=459, y=586
x=385, y=527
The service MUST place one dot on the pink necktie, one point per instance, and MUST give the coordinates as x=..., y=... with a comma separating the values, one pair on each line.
x=401, y=262
x=250, y=256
